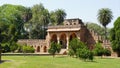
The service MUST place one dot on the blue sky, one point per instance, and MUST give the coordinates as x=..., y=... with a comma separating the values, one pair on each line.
x=83, y=9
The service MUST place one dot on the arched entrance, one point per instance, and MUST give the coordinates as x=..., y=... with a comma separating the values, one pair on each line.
x=38, y=49
x=45, y=49
x=63, y=41
x=73, y=35
x=54, y=38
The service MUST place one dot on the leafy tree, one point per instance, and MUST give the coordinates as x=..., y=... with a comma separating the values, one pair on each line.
x=98, y=29
x=104, y=17
x=54, y=48
x=0, y=44
x=115, y=36
x=74, y=45
x=80, y=50
x=39, y=21
x=12, y=14
x=27, y=14
x=57, y=17
x=5, y=47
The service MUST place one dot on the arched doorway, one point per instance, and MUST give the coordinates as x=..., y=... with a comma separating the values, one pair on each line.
x=63, y=41
x=45, y=49
x=73, y=35
x=38, y=49
x=54, y=38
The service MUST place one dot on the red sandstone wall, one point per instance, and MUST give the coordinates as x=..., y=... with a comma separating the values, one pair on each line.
x=87, y=37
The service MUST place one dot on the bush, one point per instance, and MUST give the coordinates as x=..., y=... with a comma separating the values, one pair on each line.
x=71, y=53
x=27, y=49
x=84, y=54
x=5, y=48
x=107, y=52
x=13, y=47
x=98, y=50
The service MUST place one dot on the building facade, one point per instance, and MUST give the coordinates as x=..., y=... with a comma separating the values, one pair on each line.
x=62, y=34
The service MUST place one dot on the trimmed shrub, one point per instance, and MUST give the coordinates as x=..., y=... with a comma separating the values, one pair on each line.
x=27, y=49
x=84, y=54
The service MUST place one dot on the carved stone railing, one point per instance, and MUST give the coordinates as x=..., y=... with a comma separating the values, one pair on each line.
x=64, y=26
x=31, y=40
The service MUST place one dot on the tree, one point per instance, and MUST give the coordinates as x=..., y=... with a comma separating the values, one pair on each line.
x=74, y=45
x=54, y=48
x=115, y=36
x=13, y=14
x=0, y=44
x=104, y=17
x=79, y=50
x=58, y=16
x=39, y=21
x=98, y=29
x=27, y=14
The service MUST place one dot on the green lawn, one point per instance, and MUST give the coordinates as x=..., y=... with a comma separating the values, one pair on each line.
x=57, y=62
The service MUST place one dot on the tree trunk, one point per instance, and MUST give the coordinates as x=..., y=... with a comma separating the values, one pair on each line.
x=118, y=53
x=105, y=33
x=0, y=52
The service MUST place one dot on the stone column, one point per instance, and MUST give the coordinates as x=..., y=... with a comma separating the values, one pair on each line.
x=58, y=39
x=67, y=41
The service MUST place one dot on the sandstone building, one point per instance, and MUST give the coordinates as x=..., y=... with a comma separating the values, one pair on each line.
x=62, y=34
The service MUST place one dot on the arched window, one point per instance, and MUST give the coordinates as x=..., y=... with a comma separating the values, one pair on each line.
x=45, y=49
x=63, y=40
x=38, y=49
x=54, y=38
x=73, y=35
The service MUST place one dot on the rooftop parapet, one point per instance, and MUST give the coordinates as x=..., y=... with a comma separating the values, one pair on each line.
x=64, y=26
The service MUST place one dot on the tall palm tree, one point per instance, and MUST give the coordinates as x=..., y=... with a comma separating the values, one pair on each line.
x=104, y=17
x=58, y=16
x=27, y=15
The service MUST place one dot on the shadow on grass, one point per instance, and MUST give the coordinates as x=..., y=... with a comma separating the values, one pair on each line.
x=61, y=56
x=5, y=61
x=91, y=61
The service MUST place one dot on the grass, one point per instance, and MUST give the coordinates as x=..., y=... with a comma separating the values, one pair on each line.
x=57, y=62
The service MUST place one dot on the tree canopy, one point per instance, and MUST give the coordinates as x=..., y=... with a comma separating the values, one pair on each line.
x=115, y=36
x=57, y=16
x=104, y=17
x=19, y=22
x=98, y=29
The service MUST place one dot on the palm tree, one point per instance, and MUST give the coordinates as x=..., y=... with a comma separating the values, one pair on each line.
x=27, y=15
x=57, y=17
x=104, y=17
x=60, y=15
